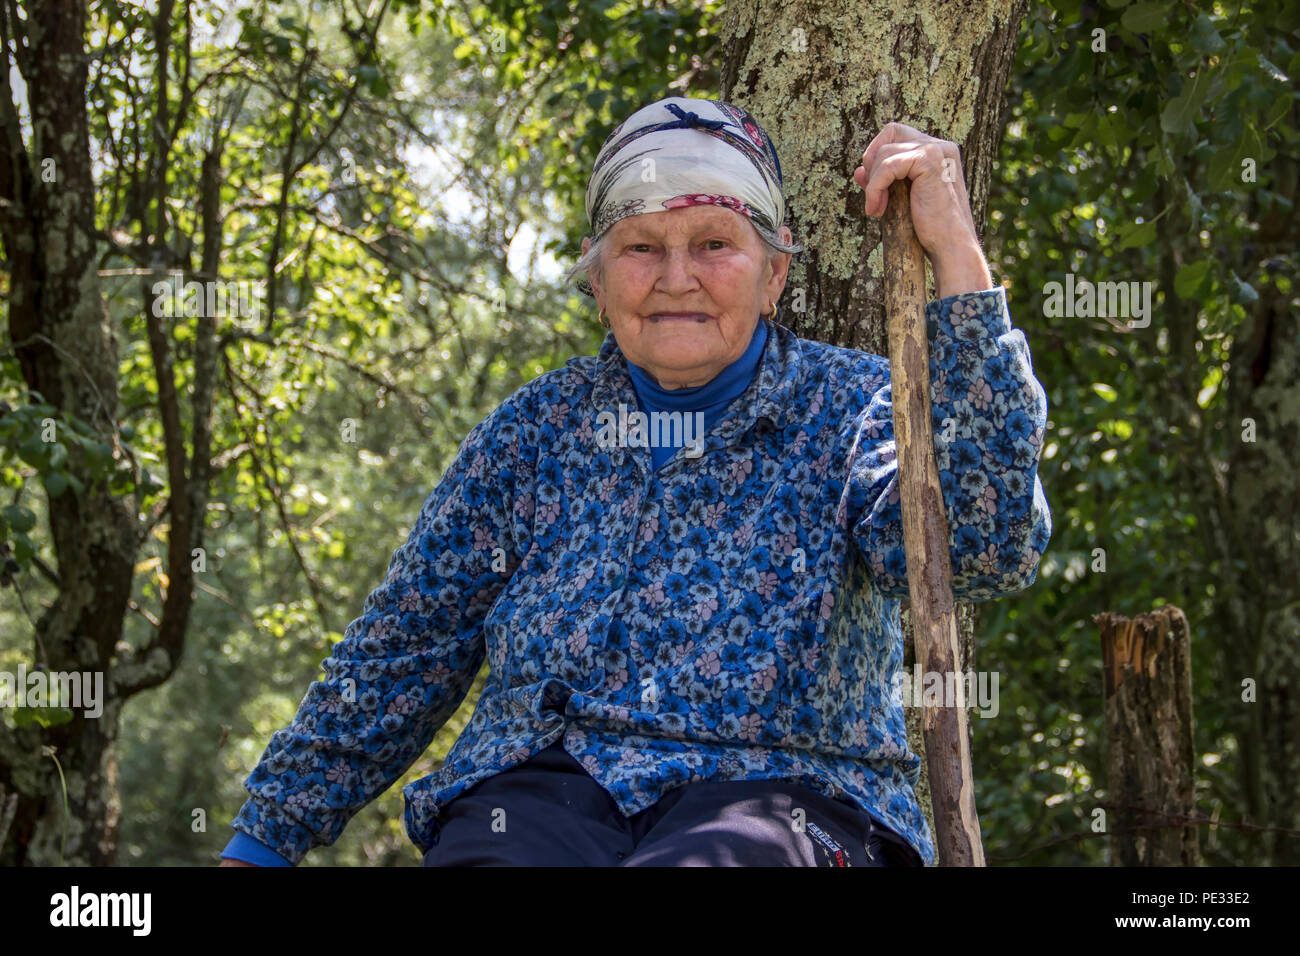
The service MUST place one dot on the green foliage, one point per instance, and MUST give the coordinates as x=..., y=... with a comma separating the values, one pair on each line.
x=570, y=71
x=41, y=716
x=64, y=454
x=1127, y=165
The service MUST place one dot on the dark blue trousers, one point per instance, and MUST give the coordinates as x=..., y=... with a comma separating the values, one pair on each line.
x=548, y=811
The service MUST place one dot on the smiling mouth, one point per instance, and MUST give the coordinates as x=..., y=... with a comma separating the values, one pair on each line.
x=680, y=317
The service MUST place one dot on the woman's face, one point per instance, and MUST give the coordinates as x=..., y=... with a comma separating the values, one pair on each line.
x=683, y=289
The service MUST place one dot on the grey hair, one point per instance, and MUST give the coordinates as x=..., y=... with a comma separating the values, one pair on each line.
x=590, y=260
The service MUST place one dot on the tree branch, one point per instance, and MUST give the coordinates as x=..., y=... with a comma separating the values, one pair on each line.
x=274, y=487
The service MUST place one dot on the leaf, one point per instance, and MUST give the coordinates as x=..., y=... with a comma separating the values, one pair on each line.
x=98, y=454
x=19, y=518
x=1108, y=131
x=1137, y=234
x=23, y=549
x=1195, y=210
x=33, y=451
x=1224, y=169
x=148, y=483
x=41, y=716
x=1145, y=186
x=1243, y=293
x=1272, y=71
x=56, y=483
x=1205, y=37
x=549, y=27
x=1107, y=392
x=1209, y=387
x=1255, y=147
x=1116, y=427
x=1145, y=17
x=1191, y=278
x=1180, y=112
x=1280, y=108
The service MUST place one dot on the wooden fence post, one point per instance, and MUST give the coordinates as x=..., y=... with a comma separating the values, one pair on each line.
x=1148, y=710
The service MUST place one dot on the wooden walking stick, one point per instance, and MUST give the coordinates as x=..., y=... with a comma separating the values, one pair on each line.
x=925, y=537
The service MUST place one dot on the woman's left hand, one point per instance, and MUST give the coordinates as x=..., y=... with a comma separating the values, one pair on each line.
x=941, y=213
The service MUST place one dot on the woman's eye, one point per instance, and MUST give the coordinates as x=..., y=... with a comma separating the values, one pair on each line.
x=716, y=243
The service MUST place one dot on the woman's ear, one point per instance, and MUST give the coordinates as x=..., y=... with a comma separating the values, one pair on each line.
x=780, y=265
x=780, y=269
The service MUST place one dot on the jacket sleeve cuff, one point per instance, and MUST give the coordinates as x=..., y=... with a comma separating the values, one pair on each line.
x=248, y=850
x=969, y=316
x=268, y=825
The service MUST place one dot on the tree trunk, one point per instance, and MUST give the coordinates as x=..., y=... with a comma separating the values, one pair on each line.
x=823, y=78
x=1150, y=758
x=68, y=353
x=65, y=775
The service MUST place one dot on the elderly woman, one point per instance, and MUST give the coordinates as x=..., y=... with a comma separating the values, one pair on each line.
x=682, y=557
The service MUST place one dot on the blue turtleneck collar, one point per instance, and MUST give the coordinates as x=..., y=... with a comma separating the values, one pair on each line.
x=711, y=398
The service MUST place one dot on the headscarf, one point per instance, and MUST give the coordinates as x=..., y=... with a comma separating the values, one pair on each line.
x=687, y=152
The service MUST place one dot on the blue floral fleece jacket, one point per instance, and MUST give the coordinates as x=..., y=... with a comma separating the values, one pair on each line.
x=731, y=616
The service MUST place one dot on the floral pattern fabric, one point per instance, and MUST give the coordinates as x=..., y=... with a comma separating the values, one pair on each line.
x=731, y=616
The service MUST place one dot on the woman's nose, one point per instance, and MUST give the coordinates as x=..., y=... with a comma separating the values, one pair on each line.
x=678, y=273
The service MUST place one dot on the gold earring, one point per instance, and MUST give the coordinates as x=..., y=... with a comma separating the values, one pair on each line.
x=604, y=319
x=769, y=315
